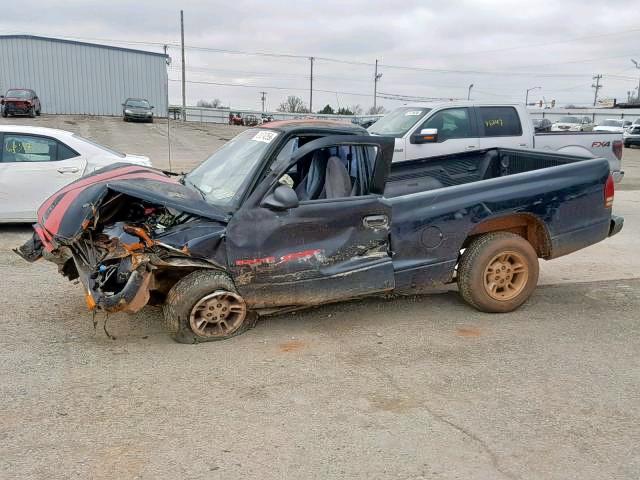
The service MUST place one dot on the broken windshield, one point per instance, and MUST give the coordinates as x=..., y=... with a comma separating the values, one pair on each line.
x=223, y=177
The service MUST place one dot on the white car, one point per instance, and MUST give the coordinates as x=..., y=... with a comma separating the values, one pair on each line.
x=613, y=125
x=631, y=135
x=572, y=124
x=36, y=162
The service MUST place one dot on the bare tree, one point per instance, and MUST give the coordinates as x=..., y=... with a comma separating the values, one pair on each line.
x=356, y=109
x=293, y=104
x=377, y=110
x=215, y=103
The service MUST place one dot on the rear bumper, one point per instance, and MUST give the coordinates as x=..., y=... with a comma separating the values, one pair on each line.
x=616, y=224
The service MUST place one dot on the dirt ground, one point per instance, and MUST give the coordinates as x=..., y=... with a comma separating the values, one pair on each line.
x=411, y=388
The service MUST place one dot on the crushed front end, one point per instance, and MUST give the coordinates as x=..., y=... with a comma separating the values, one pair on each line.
x=128, y=234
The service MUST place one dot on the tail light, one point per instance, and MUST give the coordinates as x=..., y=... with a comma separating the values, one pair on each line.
x=617, y=149
x=609, y=191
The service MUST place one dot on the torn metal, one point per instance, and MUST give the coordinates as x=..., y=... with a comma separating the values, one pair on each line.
x=124, y=232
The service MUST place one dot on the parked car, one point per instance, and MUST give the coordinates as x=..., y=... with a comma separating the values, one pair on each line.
x=137, y=109
x=541, y=125
x=631, y=135
x=369, y=122
x=252, y=121
x=235, y=119
x=613, y=125
x=430, y=130
x=36, y=162
x=296, y=214
x=20, y=101
x=573, y=124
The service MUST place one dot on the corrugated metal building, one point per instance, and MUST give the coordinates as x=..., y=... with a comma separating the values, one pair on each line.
x=82, y=78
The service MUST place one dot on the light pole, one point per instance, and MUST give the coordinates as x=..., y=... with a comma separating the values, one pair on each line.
x=637, y=66
x=469, y=93
x=526, y=98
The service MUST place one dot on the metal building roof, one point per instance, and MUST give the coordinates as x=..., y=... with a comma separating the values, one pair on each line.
x=84, y=44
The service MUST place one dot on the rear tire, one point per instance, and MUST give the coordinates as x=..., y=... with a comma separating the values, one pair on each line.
x=5, y=114
x=205, y=306
x=498, y=272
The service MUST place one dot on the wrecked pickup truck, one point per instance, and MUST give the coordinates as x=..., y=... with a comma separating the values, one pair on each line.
x=302, y=213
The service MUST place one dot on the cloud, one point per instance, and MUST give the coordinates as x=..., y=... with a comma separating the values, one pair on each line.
x=456, y=35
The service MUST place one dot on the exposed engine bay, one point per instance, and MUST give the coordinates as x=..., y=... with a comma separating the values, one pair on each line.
x=126, y=251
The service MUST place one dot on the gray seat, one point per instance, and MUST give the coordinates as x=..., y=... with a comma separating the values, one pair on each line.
x=337, y=182
x=311, y=186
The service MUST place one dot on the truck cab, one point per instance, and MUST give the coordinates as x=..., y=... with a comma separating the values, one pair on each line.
x=441, y=129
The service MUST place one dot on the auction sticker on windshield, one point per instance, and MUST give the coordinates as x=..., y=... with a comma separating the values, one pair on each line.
x=265, y=136
x=413, y=113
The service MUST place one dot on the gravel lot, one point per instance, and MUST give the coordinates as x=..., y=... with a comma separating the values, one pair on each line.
x=409, y=388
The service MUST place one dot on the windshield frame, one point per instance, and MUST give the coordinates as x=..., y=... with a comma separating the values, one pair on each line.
x=251, y=178
x=400, y=113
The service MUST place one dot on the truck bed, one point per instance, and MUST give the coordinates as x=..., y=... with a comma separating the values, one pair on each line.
x=439, y=203
x=438, y=172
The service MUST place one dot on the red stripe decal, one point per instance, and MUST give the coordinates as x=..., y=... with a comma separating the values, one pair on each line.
x=84, y=183
x=299, y=255
x=52, y=223
x=255, y=261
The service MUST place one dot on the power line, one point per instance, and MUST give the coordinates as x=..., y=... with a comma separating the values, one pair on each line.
x=269, y=87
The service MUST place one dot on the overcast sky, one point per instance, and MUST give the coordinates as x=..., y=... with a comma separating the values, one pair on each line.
x=500, y=47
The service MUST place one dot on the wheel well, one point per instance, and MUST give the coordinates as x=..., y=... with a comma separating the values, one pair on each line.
x=529, y=227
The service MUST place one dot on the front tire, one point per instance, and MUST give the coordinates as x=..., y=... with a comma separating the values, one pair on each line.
x=498, y=272
x=205, y=306
x=32, y=112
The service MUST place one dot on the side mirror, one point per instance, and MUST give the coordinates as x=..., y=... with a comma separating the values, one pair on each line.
x=426, y=135
x=152, y=106
x=282, y=198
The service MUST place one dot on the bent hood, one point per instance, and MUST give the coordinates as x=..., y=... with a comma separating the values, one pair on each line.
x=65, y=214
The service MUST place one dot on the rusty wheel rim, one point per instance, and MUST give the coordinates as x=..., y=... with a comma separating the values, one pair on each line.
x=218, y=314
x=506, y=276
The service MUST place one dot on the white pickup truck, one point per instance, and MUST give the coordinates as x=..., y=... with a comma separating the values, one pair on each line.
x=431, y=130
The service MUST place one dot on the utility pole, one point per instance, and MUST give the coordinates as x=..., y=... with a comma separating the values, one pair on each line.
x=168, y=60
x=184, y=94
x=376, y=77
x=597, y=86
x=469, y=93
x=311, y=59
x=263, y=98
x=638, y=67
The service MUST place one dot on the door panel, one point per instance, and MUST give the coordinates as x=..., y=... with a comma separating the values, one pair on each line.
x=320, y=251
x=500, y=126
x=456, y=133
x=323, y=249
